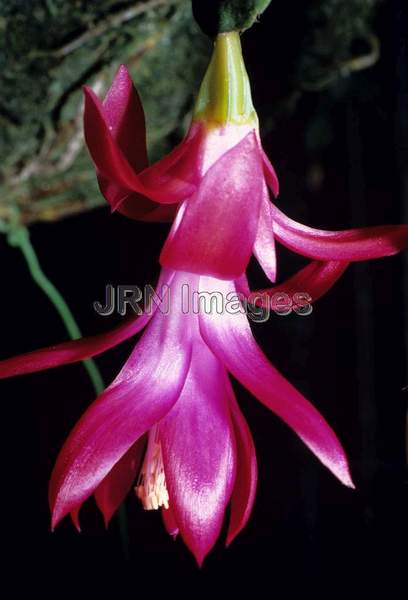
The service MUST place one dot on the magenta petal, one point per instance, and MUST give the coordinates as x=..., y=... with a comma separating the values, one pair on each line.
x=315, y=280
x=243, y=495
x=215, y=230
x=129, y=204
x=111, y=163
x=170, y=522
x=242, y=285
x=198, y=449
x=76, y=350
x=75, y=518
x=270, y=175
x=229, y=337
x=162, y=214
x=125, y=117
x=134, y=206
x=141, y=395
x=264, y=247
x=70, y=352
x=182, y=164
x=114, y=488
x=349, y=245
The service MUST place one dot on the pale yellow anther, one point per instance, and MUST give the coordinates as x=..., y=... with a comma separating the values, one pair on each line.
x=151, y=487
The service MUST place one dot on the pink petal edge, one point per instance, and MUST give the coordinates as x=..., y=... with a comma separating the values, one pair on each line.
x=229, y=337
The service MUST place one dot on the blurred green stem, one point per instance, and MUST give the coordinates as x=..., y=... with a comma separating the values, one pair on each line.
x=20, y=238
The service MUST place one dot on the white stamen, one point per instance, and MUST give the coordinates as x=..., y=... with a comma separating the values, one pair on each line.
x=151, y=486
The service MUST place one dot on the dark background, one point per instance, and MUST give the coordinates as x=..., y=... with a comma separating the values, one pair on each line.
x=342, y=158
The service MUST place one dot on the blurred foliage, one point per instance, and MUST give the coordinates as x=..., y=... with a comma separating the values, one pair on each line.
x=220, y=16
x=50, y=48
x=339, y=40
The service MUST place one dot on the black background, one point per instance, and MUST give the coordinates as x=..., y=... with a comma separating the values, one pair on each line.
x=308, y=534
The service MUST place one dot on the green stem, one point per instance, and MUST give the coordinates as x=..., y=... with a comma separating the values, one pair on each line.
x=20, y=238
x=222, y=16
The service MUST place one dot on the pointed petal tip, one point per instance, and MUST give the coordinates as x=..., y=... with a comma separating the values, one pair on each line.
x=54, y=522
x=106, y=517
x=122, y=77
x=342, y=472
x=347, y=481
x=75, y=520
x=199, y=552
x=200, y=557
x=87, y=90
x=123, y=70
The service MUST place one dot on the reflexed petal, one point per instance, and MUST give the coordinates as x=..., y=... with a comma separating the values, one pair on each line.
x=229, y=337
x=264, y=248
x=112, y=490
x=141, y=395
x=131, y=205
x=215, y=230
x=75, y=518
x=170, y=522
x=315, y=280
x=270, y=175
x=198, y=449
x=183, y=163
x=348, y=245
x=124, y=115
x=134, y=206
x=242, y=285
x=70, y=352
x=112, y=164
x=76, y=350
x=243, y=495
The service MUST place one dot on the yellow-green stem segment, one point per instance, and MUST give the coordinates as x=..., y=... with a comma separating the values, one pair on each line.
x=225, y=93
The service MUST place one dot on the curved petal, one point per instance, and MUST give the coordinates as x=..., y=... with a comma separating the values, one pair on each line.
x=134, y=206
x=114, y=488
x=124, y=115
x=229, y=337
x=75, y=518
x=112, y=164
x=315, y=280
x=183, y=163
x=264, y=247
x=76, y=350
x=349, y=245
x=242, y=285
x=215, y=230
x=141, y=395
x=130, y=204
x=170, y=522
x=243, y=495
x=70, y=352
x=162, y=214
x=199, y=453
x=270, y=175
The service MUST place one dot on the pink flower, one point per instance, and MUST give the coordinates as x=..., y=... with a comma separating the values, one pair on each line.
x=215, y=182
x=175, y=391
